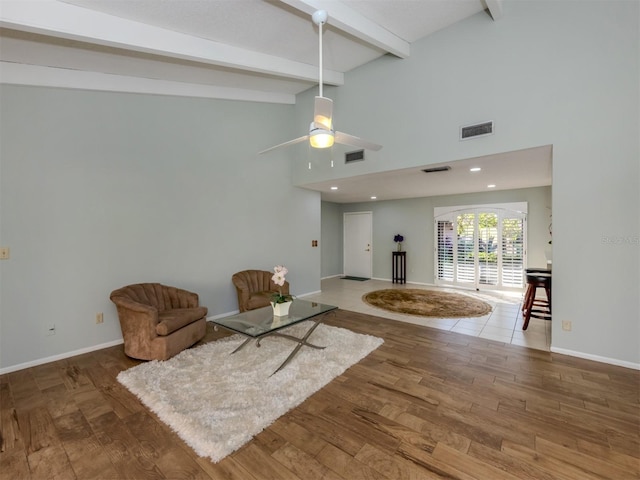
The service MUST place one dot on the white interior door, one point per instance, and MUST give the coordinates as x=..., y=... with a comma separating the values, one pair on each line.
x=357, y=244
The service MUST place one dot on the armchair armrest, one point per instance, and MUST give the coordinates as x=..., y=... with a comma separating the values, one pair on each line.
x=133, y=315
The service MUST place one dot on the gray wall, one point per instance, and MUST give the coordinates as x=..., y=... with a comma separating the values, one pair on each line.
x=558, y=73
x=332, y=239
x=413, y=218
x=99, y=190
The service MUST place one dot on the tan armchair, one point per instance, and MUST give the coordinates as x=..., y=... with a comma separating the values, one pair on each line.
x=158, y=321
x=254, y=288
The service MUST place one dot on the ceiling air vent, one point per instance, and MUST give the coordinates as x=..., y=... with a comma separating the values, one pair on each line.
x=436, y=169
x=354, y=156
x=477, y=130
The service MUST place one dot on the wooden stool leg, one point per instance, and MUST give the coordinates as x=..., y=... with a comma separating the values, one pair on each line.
x=526, y=309
x=527, y=294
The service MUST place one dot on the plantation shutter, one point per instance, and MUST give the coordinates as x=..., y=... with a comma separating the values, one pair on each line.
x=512, y=252
x=444, y=252
x=488, y=244
x=466, y=263
x=480, y=246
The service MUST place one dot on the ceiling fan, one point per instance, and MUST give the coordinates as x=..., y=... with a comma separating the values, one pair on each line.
x=321, y=132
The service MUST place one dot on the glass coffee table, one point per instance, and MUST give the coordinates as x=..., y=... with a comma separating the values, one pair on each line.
x=260, y=323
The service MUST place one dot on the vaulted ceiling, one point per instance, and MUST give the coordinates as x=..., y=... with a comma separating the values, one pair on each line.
x=240, y=49
x=254, y=50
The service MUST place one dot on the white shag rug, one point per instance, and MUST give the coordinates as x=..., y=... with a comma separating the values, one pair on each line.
x=216, y=402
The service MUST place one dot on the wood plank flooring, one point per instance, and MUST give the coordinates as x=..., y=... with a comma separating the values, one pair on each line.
x=426, y=404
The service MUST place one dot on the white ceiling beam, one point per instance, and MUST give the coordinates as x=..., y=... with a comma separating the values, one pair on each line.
x=41, y=76
x=495, y=8
x=348, y=20
x=62, y=20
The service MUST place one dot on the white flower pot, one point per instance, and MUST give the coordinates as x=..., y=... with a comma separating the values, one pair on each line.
x=281, y=309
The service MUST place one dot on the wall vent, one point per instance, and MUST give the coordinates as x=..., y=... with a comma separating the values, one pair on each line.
x=436, y=169
x=354, y=156
x=476, y=130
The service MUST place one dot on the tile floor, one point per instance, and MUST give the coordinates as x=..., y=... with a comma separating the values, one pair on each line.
x=503, y=324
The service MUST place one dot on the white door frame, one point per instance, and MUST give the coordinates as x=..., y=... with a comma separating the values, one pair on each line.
x=358, y=245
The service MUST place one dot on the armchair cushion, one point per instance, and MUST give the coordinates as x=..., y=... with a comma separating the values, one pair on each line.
x=172, y=320
x=254, y=288
x=158, y=321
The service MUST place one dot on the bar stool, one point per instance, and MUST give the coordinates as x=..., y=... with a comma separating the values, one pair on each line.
x=528, y=271
x=533, y=307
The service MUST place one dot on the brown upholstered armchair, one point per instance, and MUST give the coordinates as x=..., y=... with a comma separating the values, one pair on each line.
x=158, y=321
x=254, y=288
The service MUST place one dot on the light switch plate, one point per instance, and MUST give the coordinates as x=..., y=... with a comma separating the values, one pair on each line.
x=4, y=253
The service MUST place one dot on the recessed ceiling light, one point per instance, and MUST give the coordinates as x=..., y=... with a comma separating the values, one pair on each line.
x=373, y=197
x=475, y=169
x=334, y=188
x=491, y=186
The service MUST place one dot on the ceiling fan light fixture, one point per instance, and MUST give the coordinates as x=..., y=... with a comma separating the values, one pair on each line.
x=321, y=138
x=323, y=121
x=321, y=132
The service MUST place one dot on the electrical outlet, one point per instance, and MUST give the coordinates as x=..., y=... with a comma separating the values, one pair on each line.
x=51, y=330
x=4, y=253
x=99, y=317
x=566, y=325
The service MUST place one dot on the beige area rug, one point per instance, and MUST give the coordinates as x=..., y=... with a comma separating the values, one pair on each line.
x=216, y=402
x=427, y=303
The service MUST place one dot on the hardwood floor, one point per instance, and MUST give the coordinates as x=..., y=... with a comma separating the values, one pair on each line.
x=426, y=404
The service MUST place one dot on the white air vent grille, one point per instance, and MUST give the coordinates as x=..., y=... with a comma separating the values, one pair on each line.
x=476, y=130
x=354, y=156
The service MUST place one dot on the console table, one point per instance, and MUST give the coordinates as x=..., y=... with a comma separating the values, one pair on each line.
x=399, y=267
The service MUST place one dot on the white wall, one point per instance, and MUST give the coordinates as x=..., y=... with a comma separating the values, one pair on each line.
x=99, y=190
x=559, y=73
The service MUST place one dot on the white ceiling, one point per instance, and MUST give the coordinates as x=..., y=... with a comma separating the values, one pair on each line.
x=252, y=50
x=506, y=171
x=240, y=49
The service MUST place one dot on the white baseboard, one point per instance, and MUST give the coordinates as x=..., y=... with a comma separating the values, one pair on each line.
x=235, y=312
x=62, y=356
x=332, y=276
x=596, y=358
x=309, y=293
x=222, y=315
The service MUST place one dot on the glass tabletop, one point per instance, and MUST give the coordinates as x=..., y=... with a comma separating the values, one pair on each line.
x=255, y=323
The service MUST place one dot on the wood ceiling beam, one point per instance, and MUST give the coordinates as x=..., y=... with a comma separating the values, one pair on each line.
x=348, y=20
x=62, y=20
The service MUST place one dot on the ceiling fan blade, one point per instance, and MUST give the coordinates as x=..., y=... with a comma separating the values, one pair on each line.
x=346, y=139
x=322, y=112
x=285, y=144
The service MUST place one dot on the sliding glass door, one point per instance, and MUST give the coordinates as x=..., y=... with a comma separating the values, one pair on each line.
x=480, y=246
